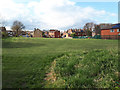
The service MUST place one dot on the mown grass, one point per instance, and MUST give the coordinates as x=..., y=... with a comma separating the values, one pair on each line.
x=27, y=60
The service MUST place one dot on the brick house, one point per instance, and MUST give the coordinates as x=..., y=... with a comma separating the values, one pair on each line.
x=37, y=33
x=45, y=33
x=27, y=33
x=111, y=32
x=70, y=31
x=65, y=34
x=80, y=33
x=54, y=34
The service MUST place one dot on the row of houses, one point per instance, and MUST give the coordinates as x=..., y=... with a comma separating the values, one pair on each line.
x=36, y=33
x=110, y=31
x=76, y=32
x=45, y=33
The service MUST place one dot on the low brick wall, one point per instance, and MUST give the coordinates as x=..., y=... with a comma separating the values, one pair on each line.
x=110, y=36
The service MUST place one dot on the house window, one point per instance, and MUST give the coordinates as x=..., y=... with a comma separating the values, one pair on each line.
x=112, y=30
x=118, y=30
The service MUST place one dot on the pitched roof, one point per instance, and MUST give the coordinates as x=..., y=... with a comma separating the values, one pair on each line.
x=117, y=26
x=112, y=26
x=80, y=31
x=36, y=30
x=107, y=26
x=52, y=30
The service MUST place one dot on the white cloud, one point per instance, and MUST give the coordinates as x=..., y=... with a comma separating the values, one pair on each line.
x=113, y=14
x=55, y=14
x=8, y=28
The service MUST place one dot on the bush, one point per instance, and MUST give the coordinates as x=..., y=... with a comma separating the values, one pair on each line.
x=72, y=35
x=4, y=34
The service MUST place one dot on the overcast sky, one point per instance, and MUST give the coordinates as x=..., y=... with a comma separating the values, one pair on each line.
x=57, y=14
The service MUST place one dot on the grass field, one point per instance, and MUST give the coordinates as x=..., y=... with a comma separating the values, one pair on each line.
x=62, y=63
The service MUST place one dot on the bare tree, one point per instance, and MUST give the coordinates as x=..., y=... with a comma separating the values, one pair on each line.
x=97, y=29
x=17, y=27
x=89, y=27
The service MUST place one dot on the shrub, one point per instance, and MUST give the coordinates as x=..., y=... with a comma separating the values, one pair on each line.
x=4, y=34
x=72, y=35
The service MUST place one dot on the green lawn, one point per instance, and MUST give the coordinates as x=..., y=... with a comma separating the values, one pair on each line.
x=26, y=62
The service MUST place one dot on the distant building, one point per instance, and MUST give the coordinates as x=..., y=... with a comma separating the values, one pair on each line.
x=10, y=33
x=65, y=35
x=93, y=33
x=45, y=33
x=70, y=31
x=23, y=32
x=37, y=33
x=31, y=33
x=77, y=32
x=54, y=34
x=80, y=32
x=111, y=31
